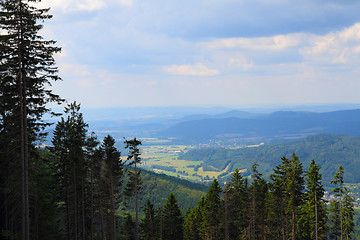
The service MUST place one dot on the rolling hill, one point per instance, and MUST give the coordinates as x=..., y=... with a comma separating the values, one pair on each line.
x=329, y=151
x=157, y=188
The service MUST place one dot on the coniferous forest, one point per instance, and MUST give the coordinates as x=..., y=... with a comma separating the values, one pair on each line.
x=81, y=188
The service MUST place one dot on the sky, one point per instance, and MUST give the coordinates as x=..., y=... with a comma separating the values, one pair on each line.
x=206, y=52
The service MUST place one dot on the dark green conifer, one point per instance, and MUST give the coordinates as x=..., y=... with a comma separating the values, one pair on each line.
x=133, y=187
x=236, y=206
x=112, y=172
x=313, y=219
x=334, y=220
x=257, y=198
x=339, y=192
x=277, y=219
x=149, y=224
x=348, y=215
x=294, y=189
x=128, y=229
x=71, y=171
x=27, y=68
x=212, y=211
x=194, y=222
x=172, y=220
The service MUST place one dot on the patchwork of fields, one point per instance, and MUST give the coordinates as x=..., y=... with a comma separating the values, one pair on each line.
x=164, y=159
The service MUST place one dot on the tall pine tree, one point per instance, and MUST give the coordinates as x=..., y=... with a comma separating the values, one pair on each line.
x=212, y=210
x=236, y=206
x=27, y=68
x=339, y=193
x=313, y=219
x=172, y=220
x=69, y=143
x=112, y=172
x=133, y=186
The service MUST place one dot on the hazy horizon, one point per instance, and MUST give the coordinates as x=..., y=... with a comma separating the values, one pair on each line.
x=221, y=52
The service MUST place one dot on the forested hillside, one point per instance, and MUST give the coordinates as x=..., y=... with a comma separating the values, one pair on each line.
x=82, y=187
x=328, y=150
x=157, y=187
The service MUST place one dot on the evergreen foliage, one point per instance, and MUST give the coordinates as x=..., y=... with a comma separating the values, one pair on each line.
x=313, y=220
x=27, y=69
x=74, y=189
x=149, y=224
x=133, y=186
x=236, y=206
x=172, y=221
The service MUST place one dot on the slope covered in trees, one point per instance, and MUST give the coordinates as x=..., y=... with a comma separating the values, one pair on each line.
x=289, y=206
x=328, y=150
x=157, y=187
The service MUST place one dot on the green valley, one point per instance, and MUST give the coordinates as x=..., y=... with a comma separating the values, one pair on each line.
x=199, y=163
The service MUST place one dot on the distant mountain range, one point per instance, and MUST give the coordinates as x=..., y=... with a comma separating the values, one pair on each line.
x=272, y=127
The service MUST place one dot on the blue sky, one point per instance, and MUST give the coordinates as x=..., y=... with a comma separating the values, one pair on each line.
x=206, y=52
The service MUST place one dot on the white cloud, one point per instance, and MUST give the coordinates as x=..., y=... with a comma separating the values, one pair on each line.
x=125, y=3
x=241, y=63
x=340, y=47
x=279, y=42
x=90, y=5
x=87, y=77
x=191, y=70
x=72, y=5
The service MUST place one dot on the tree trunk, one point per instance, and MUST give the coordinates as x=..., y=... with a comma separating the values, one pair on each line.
x=113, y=219
x=75, y=202
x=293, y=225
x=23, y=131
x=316, y=217
x=102, y=218
x=136, y=204
x=83, y=209
x=227, y=236
x=341, y=213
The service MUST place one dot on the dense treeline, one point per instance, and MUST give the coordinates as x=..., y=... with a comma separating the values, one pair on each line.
x=290, y=206
x=27, y=68
x=76, y=188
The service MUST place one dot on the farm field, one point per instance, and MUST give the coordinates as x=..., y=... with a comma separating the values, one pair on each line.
x=164, y=159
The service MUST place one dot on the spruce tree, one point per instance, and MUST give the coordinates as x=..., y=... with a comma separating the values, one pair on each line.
x=112, y=172
x=294, y=189
x=93, y=158
x=339, y=192
x=194, y=222
x=172, y=220
x=128, y=229
x=149, y=224
x=257, y=196
x=313, y=219
x=334, y=220
x=133, y=187
x=277, y=218
x=69, y=143
x=27, y=68
x=348, y=215
x=236, y=205
x=345, y=203
x=212, y=209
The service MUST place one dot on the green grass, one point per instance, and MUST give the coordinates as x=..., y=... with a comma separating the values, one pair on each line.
x=167, y=156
